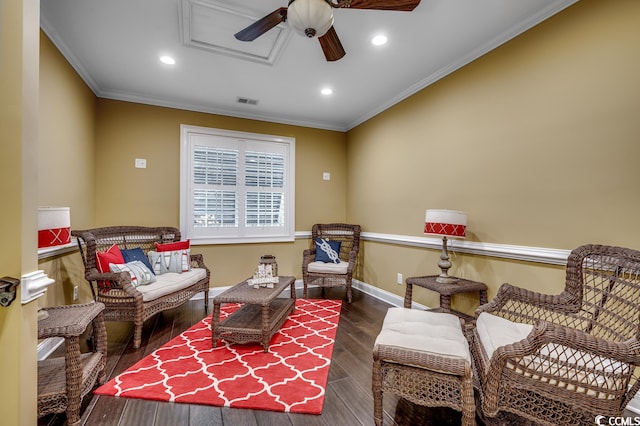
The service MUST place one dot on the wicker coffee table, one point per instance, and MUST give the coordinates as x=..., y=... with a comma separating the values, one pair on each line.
x=258, y=319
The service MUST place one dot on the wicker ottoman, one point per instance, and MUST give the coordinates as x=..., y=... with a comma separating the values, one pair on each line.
x=423, y=357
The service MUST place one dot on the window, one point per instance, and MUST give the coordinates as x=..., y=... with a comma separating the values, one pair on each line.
x=236, y=187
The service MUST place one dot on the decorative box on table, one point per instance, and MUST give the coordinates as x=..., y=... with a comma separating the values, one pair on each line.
x=266, y=275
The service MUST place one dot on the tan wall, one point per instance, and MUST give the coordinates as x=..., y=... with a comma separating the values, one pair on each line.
x=76, y=128
x=67, y=128
x=65, y=164
x=538, y=141
x=126, y=195
x=19, y=21
x=68, y=271
x=381, y=263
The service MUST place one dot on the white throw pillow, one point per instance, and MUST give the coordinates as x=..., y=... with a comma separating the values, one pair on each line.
x=140, y=274
x=170, y=261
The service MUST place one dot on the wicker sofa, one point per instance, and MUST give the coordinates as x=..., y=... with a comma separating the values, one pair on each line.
x=123, y=300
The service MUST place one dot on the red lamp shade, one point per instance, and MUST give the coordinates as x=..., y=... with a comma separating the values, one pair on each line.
x=447, y=223
x=54, y=226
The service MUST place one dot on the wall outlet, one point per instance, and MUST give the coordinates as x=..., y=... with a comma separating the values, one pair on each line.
x=141, y=163
x=399, y=278
x=75, y=292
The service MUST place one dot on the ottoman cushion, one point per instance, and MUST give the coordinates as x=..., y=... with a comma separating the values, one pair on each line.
x=432, y=333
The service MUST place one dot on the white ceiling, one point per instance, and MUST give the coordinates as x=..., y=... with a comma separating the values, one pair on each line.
x=115, y=44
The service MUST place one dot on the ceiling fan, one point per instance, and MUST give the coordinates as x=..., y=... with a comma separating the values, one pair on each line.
x=314, y=18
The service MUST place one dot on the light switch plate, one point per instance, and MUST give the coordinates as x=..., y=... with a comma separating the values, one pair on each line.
x=141, y=163
x=326, y=176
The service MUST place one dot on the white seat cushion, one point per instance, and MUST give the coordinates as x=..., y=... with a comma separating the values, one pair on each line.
x=328, y=268
x=496, y=331
x=170, y=282
x=429, y=332
x=553, y=363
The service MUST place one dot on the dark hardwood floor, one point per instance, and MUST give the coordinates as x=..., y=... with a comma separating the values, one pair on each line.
x=348, y=399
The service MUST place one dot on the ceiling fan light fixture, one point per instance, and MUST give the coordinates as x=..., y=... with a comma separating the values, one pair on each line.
x=310, y=18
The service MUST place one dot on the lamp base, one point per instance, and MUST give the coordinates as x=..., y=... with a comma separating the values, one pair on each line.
x=444, y=265
x=447, y=280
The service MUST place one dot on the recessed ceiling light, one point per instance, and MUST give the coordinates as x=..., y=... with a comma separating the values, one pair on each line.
x=379, y=40
x=326, y=91
x=167, y=60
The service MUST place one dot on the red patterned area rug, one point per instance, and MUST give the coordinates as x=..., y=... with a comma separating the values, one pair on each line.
x=291, y=377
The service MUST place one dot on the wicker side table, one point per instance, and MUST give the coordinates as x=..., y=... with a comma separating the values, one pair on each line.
x=446, y=291
x=63, y=382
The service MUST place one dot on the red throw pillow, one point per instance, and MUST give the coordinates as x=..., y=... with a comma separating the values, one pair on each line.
x=180, y=245
x=104, y=258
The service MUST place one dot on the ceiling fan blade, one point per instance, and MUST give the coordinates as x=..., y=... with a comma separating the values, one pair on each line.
x=402, y=5
x=331, y=45
x=263, y=25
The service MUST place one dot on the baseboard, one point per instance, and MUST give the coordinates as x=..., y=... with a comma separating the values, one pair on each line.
x=371, y=290
x=384, y=295
x=378, y=293
x=47, y=346
x=634, y=404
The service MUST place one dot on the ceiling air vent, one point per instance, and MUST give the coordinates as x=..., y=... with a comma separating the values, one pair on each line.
x=246, y=101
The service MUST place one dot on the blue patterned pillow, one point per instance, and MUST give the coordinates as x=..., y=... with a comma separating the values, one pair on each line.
x=130, y=255
x=327, y=251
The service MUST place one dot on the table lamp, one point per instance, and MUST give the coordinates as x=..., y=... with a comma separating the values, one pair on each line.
x=445, y=223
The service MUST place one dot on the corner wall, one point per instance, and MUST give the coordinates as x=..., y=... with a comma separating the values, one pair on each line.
x=65, y=162
x=538, y=141
x=151, y=196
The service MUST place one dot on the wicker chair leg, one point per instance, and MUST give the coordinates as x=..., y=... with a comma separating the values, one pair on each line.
x=468, y=400
x=376, y=385
x=73, y=380
x=100, y=339
x=206, y=301
x=349, y=293
x=137, y=335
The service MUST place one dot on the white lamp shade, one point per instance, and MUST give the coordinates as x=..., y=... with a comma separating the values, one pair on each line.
x=310, y=18
x=448, y=223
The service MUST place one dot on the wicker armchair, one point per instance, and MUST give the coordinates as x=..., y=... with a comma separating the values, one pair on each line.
x=566, y=358
x=123, y=301
x=319, y=275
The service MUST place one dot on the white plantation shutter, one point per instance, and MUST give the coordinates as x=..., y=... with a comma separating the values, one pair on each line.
x=215, y=177
x=235, y=186
x=264, y=179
